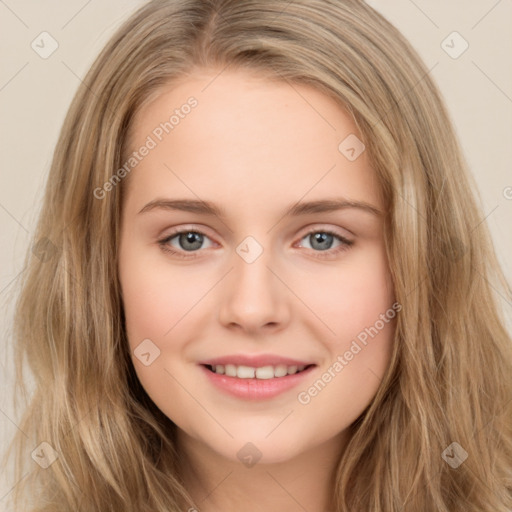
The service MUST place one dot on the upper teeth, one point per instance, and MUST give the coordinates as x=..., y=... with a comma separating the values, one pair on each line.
x=263, y=372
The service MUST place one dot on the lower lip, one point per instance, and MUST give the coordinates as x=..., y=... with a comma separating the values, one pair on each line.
x=256, y=389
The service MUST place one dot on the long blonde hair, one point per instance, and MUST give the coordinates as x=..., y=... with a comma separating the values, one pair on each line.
x=450, y=377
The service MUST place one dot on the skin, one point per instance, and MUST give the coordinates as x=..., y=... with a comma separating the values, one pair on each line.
x=254, y=147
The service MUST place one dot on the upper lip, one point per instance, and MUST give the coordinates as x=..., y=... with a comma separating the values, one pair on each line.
x=255, y=361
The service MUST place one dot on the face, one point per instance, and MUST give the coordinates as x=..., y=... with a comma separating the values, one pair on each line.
x=252, y=244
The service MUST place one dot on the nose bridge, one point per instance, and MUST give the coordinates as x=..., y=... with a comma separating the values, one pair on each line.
x=253, y=279
x=253, y=297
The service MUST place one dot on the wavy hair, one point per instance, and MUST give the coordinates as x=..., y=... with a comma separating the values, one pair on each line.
x=450, y=376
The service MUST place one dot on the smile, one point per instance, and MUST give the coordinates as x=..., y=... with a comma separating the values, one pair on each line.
x=256, y=383
x=263, y=372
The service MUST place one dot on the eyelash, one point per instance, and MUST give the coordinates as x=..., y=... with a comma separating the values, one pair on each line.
x=345, y=243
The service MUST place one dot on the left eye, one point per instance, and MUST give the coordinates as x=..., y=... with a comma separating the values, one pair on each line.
x=323, y=240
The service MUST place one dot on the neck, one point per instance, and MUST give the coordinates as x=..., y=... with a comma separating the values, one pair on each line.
x=216, y=483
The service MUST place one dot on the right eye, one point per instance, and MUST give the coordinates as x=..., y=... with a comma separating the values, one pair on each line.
x=185, y=241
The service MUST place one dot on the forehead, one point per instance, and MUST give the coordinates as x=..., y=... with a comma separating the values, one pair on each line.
x=249, y=138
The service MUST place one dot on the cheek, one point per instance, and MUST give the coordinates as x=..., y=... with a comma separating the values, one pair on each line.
x=355, y=301
x=155, y=296
x=156, y=300
x=357, y=304
x=148, y=310
x=352, y=296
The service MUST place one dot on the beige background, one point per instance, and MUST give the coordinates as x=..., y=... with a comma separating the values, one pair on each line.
x=35, y=94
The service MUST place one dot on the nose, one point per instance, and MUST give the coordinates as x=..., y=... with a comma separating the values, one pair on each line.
x=253, y=297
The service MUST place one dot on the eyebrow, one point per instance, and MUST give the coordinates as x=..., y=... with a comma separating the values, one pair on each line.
x=297, y=209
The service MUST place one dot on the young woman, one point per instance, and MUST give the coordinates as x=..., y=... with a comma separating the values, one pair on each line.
x=260, y=279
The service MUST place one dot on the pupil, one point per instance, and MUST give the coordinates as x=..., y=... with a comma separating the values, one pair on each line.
x=191, y=238
x=319, y=238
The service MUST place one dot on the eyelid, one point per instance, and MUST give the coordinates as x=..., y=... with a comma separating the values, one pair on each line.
x=188, y=228
x=328, y=228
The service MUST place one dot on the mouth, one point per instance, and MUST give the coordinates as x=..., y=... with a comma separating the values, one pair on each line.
x=261, y=373
x=256, y=383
